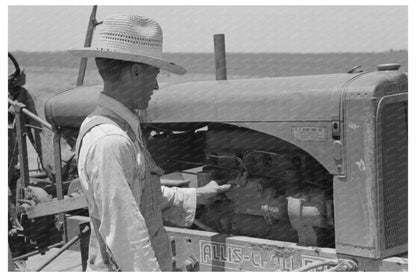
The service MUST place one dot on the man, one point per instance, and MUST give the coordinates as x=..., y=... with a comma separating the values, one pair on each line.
x=118, y=175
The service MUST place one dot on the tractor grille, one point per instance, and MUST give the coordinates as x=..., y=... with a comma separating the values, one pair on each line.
x=394, y=147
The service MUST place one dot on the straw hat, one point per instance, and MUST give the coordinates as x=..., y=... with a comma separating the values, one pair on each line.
x=130, y=38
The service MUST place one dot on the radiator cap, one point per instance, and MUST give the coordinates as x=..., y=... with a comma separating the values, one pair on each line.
x=388, y=66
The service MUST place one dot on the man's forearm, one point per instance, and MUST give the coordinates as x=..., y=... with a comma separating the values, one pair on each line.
x=202, y=195
x=178, y=205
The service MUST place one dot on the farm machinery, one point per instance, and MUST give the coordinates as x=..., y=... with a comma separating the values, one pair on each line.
x=325, y=156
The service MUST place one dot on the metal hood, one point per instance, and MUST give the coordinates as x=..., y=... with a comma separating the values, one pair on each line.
x=300, y=98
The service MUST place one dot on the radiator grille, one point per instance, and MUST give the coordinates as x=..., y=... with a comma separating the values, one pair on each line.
x=394, y=173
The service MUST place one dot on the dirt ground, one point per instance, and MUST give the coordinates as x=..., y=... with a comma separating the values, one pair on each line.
x=67, y=261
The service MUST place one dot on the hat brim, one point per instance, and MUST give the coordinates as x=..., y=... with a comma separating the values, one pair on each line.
x=156, y=62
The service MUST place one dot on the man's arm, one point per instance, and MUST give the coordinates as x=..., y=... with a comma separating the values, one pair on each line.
x=122, y=225
x=179, y=204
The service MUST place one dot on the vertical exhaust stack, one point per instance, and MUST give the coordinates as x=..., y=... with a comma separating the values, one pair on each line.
x=220, y=64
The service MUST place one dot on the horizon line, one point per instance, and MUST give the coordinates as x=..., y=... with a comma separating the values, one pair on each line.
x=330, y=52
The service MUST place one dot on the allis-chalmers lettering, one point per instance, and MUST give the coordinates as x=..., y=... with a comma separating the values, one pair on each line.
x=211, y=251
x=228, y=253
x=244, y=258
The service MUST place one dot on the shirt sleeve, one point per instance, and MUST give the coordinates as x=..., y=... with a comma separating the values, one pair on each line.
x=123, y=227
x=178, y=205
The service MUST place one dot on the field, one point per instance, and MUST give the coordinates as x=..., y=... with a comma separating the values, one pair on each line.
x=51, y=72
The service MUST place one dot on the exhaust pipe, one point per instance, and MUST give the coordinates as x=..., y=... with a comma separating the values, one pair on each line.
x=220, y=64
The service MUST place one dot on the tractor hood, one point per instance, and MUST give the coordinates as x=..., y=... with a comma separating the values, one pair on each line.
x=300, y=98
x=304, y=98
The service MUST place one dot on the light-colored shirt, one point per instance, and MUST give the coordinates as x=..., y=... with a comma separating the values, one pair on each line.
x=112, y=169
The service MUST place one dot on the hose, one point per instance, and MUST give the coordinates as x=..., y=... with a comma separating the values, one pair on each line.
x=317, y=264
x=346, y=265
x=343, y=265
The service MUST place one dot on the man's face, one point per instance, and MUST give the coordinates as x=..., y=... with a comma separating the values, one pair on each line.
x=146, y=83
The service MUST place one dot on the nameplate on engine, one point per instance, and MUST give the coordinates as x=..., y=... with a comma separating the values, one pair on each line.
x=240, y=257
x=228, y=255
x=309, y=133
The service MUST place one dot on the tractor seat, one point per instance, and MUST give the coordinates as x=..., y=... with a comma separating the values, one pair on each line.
x=69, y=108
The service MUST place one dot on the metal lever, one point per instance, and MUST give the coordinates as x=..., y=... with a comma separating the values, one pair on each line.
x=88, y=39
x=84, y=232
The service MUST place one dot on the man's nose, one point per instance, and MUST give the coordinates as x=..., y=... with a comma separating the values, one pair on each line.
x=156, y=85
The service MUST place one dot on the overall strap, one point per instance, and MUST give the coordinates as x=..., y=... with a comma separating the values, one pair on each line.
x=105, y=251
x=97, y=120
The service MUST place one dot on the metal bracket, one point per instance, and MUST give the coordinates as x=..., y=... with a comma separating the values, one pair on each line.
x=22, y=146
x=336, y=128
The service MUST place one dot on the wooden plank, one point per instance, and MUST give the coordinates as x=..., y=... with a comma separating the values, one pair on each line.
x=57, y=206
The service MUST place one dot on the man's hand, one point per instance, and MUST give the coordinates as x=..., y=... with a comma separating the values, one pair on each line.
x=209, y=190
x=240, y=180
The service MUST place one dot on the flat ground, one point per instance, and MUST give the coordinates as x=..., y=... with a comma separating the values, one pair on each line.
x=67, y=261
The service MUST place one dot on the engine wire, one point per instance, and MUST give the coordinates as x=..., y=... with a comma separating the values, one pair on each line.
x=240, y=161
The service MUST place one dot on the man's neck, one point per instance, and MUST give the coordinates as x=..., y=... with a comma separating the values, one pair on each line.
x=120, y=94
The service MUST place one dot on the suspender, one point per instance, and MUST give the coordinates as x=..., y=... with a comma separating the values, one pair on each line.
x=97, y=120
x=105, y=251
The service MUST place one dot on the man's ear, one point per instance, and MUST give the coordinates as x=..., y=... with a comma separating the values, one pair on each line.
x=135, y=71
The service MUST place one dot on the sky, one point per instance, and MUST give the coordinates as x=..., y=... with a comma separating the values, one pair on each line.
x=304, y=29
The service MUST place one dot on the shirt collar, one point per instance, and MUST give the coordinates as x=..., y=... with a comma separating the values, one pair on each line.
x=122, y=111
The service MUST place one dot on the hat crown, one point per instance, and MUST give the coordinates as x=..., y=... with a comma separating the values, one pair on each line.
x=132, y=34
x=129, y=38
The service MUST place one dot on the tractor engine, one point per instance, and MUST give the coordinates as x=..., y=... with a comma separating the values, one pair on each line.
x=287, y=195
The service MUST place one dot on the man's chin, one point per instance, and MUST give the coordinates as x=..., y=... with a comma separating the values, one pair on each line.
x=143, y=106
